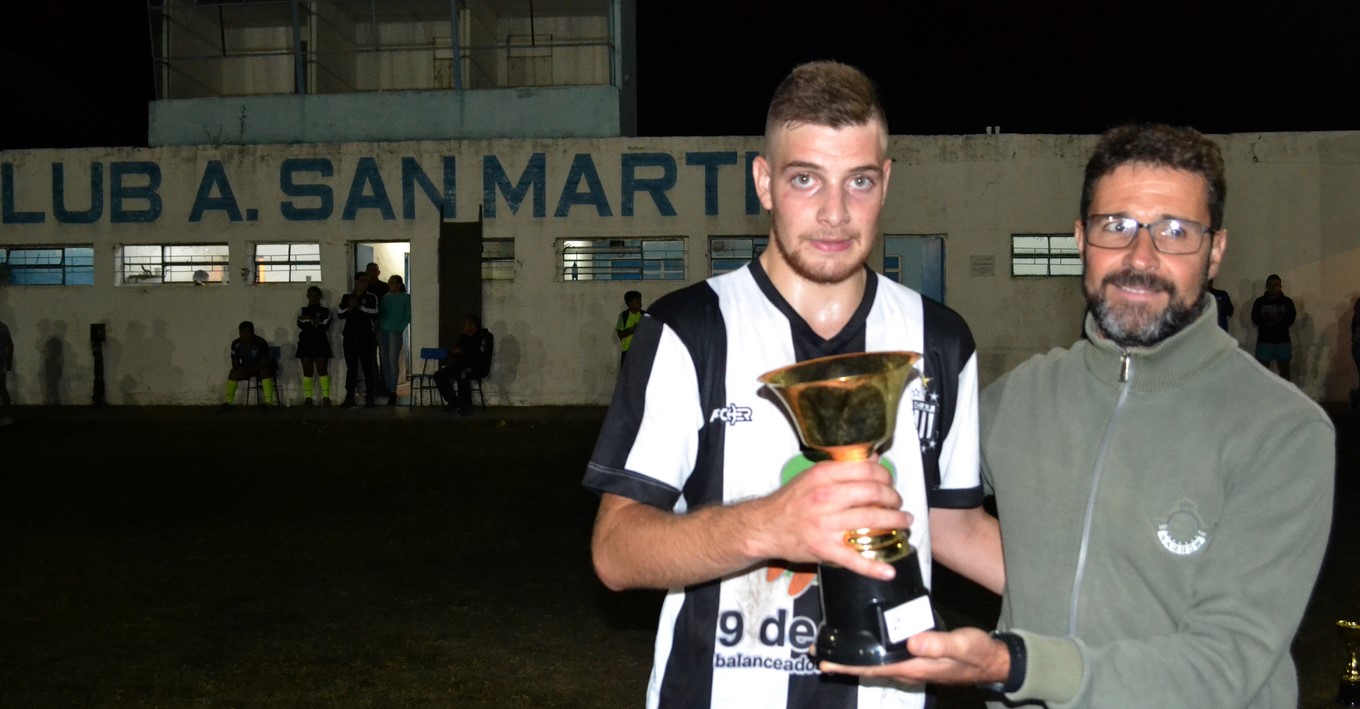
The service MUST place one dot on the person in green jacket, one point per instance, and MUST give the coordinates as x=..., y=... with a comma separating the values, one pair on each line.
x=1162, y=533
x=394, y=314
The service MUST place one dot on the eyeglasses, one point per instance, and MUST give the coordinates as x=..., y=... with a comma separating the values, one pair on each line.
x=1169, y=236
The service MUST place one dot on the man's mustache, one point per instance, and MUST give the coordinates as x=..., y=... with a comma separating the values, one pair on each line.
x=1140, y=280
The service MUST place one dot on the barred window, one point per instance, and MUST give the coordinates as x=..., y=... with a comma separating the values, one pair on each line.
x=660, y=259
x=144, y=264
x=288, y=263
x=1044, y=255
x=498, y=259
x=728, y=253
x=48, y=265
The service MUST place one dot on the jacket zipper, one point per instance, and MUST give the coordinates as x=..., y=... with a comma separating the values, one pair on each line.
x=1126, y=374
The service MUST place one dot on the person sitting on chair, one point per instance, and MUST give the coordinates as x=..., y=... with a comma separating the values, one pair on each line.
x=469, y=359
x=250, y=358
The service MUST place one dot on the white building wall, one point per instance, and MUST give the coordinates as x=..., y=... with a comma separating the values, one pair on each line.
x=1291, y=210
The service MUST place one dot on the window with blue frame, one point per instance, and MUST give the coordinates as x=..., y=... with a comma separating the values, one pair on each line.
x=728, y=253
x=48, y=265
x=650, y=259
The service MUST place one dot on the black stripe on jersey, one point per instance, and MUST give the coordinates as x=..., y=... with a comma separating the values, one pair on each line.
x=949, y=347
x=695, y=316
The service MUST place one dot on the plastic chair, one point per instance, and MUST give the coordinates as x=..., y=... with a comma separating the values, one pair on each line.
x=422, y=382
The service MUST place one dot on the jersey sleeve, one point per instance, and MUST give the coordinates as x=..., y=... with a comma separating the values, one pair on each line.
x=648, y=444
x=951, y=458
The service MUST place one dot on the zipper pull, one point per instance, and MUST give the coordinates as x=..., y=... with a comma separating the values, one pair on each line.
x=1125, y=367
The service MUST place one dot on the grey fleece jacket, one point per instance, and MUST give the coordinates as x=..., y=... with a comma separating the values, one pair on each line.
x=1163, y=527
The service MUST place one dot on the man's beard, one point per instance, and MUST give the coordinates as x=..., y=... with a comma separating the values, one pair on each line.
x=1140, y=325
x=820, y=271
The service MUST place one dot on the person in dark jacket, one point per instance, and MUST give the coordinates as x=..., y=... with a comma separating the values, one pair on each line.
x=359, y=310
x=1273, y=314
x=250, y=358
x=469, y=359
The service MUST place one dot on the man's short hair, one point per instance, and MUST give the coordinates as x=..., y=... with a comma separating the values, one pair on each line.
x=475, y=319
x=246, y=325
x=1159, y=146
x=824, y=93
x=631, y=295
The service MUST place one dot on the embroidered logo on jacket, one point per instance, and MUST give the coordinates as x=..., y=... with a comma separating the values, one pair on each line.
x=731, y=414
x=1182, y=533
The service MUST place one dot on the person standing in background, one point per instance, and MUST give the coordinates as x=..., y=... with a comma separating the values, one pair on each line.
x=394, y=314
x=627, y=322
x=359, y=310
x=1273, y=314
x=377, y=287
x=314, y=346
x=1224, y=304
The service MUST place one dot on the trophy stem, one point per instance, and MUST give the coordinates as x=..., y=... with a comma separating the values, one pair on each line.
x=1348, y=692
x=883, y=544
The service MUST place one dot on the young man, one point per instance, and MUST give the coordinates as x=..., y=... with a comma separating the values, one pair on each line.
x=689, y=460
x=1162, y=535
x=359, y=310
x=1273, y=314
x=469, y=359
x=250, y=358
x=627, y=322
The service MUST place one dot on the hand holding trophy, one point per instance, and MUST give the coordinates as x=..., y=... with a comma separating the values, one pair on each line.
x=846, y=407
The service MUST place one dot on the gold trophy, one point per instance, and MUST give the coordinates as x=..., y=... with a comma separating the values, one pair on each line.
x=846, y=407
x=1349, y=693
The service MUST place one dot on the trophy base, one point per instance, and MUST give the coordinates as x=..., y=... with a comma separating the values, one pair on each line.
x=867, y=621
x=1348, y=695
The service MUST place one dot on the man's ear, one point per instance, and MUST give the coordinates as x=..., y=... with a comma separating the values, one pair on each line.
x=760, y=172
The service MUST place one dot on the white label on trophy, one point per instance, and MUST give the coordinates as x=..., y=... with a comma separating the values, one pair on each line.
x=909, y=619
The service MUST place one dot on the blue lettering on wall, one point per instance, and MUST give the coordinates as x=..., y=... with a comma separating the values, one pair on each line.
x=96, y=210
x=367, y=173
x=711, y=161
x=120, y=193
x=325, y=205
x=655, y=186
x=412, y=175
x=8, y=214
x=583, y=168
x=494, y=179
x=752, y=198
x=215, y=175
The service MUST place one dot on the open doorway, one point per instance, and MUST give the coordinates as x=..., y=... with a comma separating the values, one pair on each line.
x=393, y=259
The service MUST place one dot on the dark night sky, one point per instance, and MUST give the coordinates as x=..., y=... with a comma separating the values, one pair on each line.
x=707, y=67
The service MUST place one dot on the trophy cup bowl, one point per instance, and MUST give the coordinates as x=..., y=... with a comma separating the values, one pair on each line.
x=1348, y=695
x=846, y=407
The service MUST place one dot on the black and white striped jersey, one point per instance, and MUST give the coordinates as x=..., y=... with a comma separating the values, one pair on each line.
x=690, y=426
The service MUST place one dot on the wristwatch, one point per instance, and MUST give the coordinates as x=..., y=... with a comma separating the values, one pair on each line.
x=1015, y=645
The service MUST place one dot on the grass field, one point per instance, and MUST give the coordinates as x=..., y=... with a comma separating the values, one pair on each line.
x=177, y=557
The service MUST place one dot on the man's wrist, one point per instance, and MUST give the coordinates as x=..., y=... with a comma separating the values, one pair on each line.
x=1015, y=676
